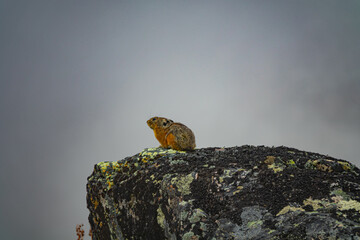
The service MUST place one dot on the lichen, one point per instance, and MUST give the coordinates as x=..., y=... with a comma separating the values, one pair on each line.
x=274, y=163
x=239, y=188
x=183, y=215
x=275, y=168
x=269, y=160
x=108, y=170
x=291, y=163
x=197, y=215
x=174, y=162
x=316, y=203
x=160, y=217
x=338, y=192
x=232, y=194
x=254, y=224
x=203, y=226
x=183, y=183
x=348, y=205
x=152, y=153
x=310, y=164
x=190, y=236
x=341, y=200
x=346, y=166
x=329, y=165
x=287, y=209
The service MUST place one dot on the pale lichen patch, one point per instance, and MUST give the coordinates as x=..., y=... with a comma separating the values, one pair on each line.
x=151, y=153
x=338, y=192
x=190, y=236
x=183, y=183
x=254, y=224
x=289, y=209
x=316, y=203
x=160, y=217
x=197, y=215
x=349, y=205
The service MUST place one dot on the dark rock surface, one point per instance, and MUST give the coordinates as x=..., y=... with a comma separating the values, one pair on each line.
x=243, y=192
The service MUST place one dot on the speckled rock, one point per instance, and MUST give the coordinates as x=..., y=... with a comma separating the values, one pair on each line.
x=243, y=192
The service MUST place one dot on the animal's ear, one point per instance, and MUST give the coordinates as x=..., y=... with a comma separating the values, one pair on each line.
x=166, y=122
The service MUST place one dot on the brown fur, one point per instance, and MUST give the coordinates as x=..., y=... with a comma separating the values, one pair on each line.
x=171, y=134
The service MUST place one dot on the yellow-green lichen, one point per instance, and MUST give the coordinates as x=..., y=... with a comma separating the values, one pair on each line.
x=239, y=188
x=291, y=163
x=160, y=217
x=108, y=171
x=275, y=168
x=338, y=192
x=348, y=205
x=319, y=164
x=254, y=224
x=227, y=172
x=316, y=203
x=310, y=164
x=345, y=165
x=289, y=209
x=151, y=153
x=197, y=215
x=183, y=183
x=272, y=164
x=342, y=203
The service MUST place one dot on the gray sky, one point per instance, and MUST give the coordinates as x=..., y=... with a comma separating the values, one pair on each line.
x=79, y=79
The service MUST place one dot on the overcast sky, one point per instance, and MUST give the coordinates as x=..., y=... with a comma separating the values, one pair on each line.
x=79, y=79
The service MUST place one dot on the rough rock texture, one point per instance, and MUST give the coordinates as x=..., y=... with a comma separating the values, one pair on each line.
x=243, y=192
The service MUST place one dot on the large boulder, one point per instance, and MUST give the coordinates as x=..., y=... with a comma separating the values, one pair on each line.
x=243, y=192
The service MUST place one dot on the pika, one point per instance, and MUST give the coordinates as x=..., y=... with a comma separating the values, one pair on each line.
x=171, y=134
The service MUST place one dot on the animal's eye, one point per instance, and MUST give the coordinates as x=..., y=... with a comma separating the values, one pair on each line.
x=165, y=123
x=154, y=119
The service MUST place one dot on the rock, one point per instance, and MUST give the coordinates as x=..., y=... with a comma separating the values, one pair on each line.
x=243, y=192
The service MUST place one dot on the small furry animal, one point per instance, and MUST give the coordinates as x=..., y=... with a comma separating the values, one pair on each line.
x=171, y=134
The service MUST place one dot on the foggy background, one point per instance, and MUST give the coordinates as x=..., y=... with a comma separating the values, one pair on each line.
x=79, y=79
